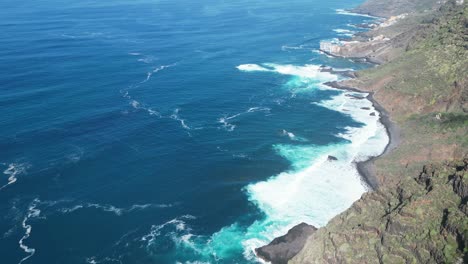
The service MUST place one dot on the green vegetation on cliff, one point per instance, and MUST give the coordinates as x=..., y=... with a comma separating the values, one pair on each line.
x=420, y=220
x=434, y=67
x=387, y=8
x=420, y=213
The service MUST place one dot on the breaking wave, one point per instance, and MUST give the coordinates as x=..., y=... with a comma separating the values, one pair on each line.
x=345, y=32
x=323, y=180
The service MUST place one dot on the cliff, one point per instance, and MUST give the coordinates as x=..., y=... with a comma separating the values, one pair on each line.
x=419, y=212
x=420, y=220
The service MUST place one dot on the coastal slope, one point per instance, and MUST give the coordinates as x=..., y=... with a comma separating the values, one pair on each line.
x=418, y=213
x=389, y=8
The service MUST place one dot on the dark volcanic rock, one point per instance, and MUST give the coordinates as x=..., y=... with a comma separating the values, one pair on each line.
x=365, y=108
x=372, y=114
x=355, y=96
x=284, y=248
x=332, y=158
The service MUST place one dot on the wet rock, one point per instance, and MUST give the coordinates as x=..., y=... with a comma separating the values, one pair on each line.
x=284, y=248
x=372, y=114
x=365, y=108
x=355, y=96
x=332, y=158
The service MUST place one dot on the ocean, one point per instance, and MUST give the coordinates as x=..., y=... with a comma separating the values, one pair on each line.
x=156, y=131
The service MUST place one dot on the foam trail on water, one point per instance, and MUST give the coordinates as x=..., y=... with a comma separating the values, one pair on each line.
x=226, y=125
x=230, y=127
x=156, y=70
x=13, y=170
x=112, y=209
x=175, y=116
x=33, y=212
x=139, y=106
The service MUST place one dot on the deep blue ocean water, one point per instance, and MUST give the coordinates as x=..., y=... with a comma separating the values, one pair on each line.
x=156, y=131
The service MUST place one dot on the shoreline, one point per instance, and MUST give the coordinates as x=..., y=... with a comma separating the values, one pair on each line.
x=354, y=59
x=366, y=168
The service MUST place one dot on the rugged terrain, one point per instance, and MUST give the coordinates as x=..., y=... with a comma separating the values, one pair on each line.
x=418, y=214
x=391, y=7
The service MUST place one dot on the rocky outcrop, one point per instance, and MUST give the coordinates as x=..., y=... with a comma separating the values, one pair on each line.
x=356, y=49
x=385, y=41
x=420, y=220
x=282, y=249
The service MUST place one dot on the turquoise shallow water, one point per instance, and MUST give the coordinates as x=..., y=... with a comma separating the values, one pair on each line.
x=172, y=131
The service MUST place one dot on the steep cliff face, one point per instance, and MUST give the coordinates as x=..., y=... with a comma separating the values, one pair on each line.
x=422, y=219
x=419, y=213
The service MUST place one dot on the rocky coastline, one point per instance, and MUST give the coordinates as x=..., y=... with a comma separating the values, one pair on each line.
x=284, y=248
x=366, y=168
x=365, y=233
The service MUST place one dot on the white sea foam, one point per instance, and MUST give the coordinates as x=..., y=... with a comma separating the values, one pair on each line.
x=345, y=32
x=292, y=136
x=139, y=106
x=33, y=212
x=147, y=59
x=156, y=70
x=175, y=116
x=38, y=209
x=178, y=224
x=93, y=260
x=316, y=189
x=226, y=125
x=349, y=13
x=13, y=171
x=252, y=67
x=230, y=127
x=309, y=71
x=112, y=209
